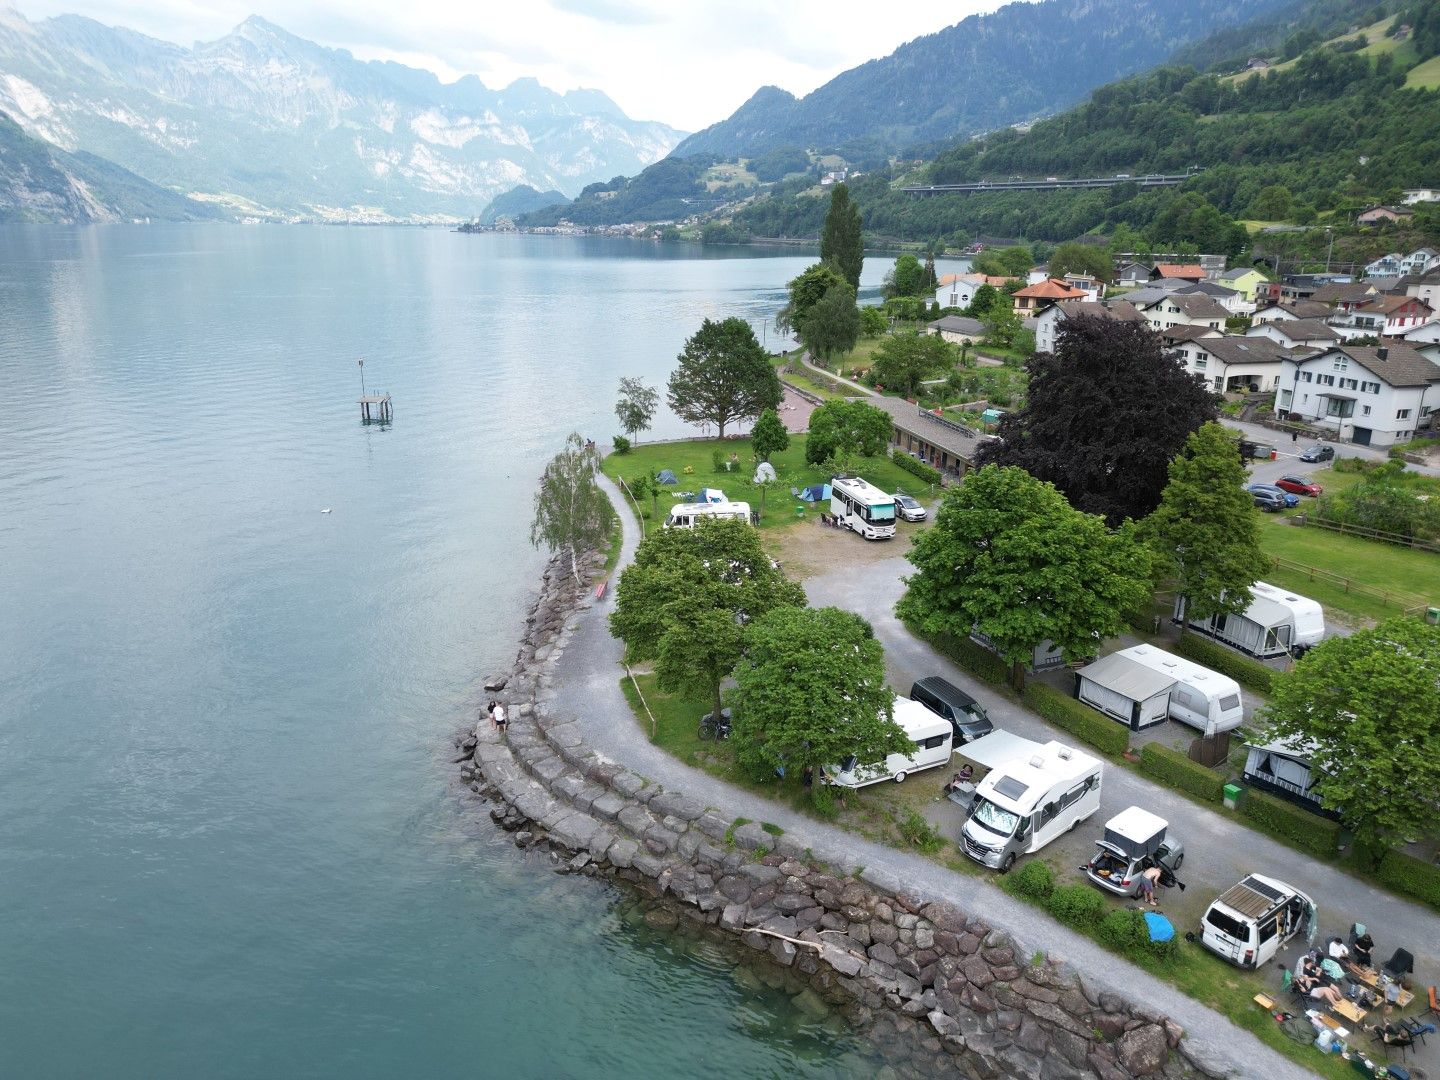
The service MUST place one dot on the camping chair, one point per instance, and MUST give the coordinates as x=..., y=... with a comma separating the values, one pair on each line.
x=1417, y=1029
x=1288, y=983
x=1402, y=1042
x=1401, y=963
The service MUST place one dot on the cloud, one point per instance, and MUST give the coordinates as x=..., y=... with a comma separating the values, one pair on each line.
x=617, y=12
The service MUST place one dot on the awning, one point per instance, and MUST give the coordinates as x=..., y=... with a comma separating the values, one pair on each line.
x=1267, y=613
x=998, y=748
x=1125, y=676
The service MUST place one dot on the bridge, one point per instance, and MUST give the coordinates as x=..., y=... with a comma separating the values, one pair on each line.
x=1150, y=180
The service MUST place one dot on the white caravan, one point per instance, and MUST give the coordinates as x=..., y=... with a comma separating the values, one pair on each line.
x=863, y=507
x=1143, y=685
x=932, y=735
x=1276, y=623
x=1028, y=800
x=688, y=515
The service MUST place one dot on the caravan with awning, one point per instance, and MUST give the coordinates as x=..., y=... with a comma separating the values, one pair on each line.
x=1143, y=685
x=1276, y=623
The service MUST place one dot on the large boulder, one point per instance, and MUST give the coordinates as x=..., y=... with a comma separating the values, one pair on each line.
x=1143, y=1050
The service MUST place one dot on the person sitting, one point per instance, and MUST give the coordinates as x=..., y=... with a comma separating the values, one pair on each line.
x=1338, y=950
x=1391, y=1033
x=1330, y=995
x=966, y=773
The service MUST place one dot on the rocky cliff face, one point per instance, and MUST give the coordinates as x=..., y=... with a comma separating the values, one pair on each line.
x=268, y=123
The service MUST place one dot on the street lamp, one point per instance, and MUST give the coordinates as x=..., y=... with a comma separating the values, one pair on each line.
x=1330, y=236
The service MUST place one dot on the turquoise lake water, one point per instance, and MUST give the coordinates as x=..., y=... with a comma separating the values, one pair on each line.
x=232, y=842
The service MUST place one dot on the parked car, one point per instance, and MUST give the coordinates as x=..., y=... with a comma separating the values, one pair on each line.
x=1319, y=452
x=966, y=715
x=909, y=509
x=1135, y=840
x=1298, y=485
x=1290, y=500
x=1272, y=502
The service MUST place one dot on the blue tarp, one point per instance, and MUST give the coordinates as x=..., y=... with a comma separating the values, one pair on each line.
x=1159, y=926
x=667, y=476
x=816, y=493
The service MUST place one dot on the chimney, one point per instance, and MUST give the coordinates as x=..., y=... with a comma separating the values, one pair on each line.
x=1382, y=353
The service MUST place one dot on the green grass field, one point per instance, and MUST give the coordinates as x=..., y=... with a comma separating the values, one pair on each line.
x=1424, y=76
x=779, y=509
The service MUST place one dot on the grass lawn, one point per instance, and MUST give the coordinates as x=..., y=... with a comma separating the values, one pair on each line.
x=1424, y=76
x=801, y=378
x=780, y=508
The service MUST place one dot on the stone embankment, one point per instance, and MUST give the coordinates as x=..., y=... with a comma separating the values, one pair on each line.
x=975, y=1003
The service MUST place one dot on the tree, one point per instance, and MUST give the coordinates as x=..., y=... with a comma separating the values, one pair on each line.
x=1271, y=204
x=811, y=691
x=905, y=359
x=932, y=279
x=1010, y=558
x=1075, y=258
x=872, y=322
x=769, y=436
x=1011, y=262
x=723, y=376
x=807, y=290
x=685, y=600
x=644, y=487
x=635, y=407
x=1366, y=705
x=841, y=430
x=840, y=241
x=1104, y=414
x=1002, y=326
x=1205, y=535
x=906, y=279
x=985, y=300
x=832, y=326
x=572, y=514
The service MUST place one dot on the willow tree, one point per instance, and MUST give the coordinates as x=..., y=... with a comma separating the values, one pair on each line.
x=572, y=514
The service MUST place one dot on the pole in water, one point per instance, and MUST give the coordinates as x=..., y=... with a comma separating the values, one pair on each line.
x=361, y=362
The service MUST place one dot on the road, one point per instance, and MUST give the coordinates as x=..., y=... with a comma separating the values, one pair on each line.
x=1267, y=472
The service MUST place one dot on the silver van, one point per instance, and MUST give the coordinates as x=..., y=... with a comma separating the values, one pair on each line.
x=1252, y=920
x=966, y=715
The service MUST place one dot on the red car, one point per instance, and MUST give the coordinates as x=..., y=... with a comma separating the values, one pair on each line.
x=1298, y=485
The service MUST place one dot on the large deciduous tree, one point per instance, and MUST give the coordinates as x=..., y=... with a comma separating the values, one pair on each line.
x=806, y=290
x=685, y=600
x=811, y=691
x=1076, y=258
x=832, y=326
x=843, y=430
x=724, y=376
x=840, y=240
x=905, y=359
x=769, y=436
x=1367, y=711
x=1104, y=414
x=635, y=407
x=1010, y=558
x=1205, y=535
x=572, y=514
x=907, y=278
x=1011, y=262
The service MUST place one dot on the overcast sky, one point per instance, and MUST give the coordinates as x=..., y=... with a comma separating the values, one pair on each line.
x=684, y=62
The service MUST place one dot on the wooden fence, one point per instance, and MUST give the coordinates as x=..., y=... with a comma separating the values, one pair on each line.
x=1374, y=534
x=1408, y=603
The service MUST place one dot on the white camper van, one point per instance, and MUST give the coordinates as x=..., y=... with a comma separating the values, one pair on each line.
x=932, y=736
x=1277, y=622
x=861, y=506
x=1028, y=799
x=688, y=515
x=1251, y=921
x=1143, y=685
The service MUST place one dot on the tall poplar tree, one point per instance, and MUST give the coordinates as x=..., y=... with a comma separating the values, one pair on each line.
x=840, y=240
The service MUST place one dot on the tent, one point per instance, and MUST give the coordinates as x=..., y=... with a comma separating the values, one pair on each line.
x=816, y=493
x=764, y=473
x=667, y=476
x=1161, y=929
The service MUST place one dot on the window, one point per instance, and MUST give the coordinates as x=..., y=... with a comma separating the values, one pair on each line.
x=933, y=743
x=1202, y=357
x=1325, y=380
x=1349, y=384
x=1402, y=414
x=1341, y=407
x=1403, y=435
x=1370, y=387
x=1285, y=398
x=1228, y=926
x=1341, y=363
x=1424, y=411
x=1199, y=365
x=1306, y=376
x=1365, y=410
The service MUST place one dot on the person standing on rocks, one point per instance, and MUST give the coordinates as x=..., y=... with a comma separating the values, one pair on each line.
x=497, y=715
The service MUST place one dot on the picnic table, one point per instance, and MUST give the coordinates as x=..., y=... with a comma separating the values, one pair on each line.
x=1350, y=1011
x=1370, y=978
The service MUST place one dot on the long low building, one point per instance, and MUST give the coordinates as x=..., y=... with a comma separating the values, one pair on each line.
x=944, y=444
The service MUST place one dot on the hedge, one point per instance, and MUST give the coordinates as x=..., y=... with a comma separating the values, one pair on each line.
x=1411, y=876
x=1035, y=881
x=1077, y=905
x=970, y=655
x=1065, y=712
x=1178, y=771
x=1307, y=831
x=1227, y=661
x=915, y=468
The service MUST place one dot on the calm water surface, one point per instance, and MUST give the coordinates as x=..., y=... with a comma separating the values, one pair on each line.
x=231, y=843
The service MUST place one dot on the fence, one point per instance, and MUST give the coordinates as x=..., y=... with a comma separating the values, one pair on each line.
x=1408, y=603
x=1374, y=534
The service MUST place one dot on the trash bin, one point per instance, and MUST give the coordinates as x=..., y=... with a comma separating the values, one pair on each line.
x=1232, y=795
x=1274, y=454
x=1432, y=616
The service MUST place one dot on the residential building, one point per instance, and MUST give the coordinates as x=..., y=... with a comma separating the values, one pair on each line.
x=935, y=440
x=1371, y=395
x=1419, y=195
x=1132, y=273
x=1387, y=266
x=1280, y=310
x=1244, y=280
x=1033, y=299
x=1094, y=288
x=1421, y=261
x=1173, y=337
x=1345, y=296
x=958, y=290
x=1235, y=364
x=1047, y=323
x=1297, y=333
x=1384, y=316
x=1190, y=309
x=1229, y=299
x=1187, y=271
x=1380, y=215
x=958, y=328
x=1425, y=286
x=1425, y=334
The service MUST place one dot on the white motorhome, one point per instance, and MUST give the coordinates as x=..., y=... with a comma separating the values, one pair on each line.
x=863, y=507
x=1143, y=685
x=932, y=735
x=688, y=515
x=1276, y=623
x=1253, y=919
x=1036, y=793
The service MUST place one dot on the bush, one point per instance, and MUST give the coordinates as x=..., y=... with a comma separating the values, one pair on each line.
x=717, y=459
x=1106, y=735
x=1078, y=905
x=972, y=656
x=915, y=468
x=1035, y=881
x=918, y=832
x=622, y=444
x=1123, y=931
x=1309, y=832
x=1176, y=770
x=1226, y=661
x=1411, y=877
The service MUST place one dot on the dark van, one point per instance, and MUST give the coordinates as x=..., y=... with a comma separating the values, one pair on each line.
x=966, y=715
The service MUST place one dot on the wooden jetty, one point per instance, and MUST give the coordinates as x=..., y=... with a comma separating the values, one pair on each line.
x=375, y=408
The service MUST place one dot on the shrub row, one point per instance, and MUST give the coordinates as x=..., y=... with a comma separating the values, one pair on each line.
x=1079, y=720
x=1178, y=771
x=915, y=468
x=973, y=657
x=1227, y=661
x=1082, y=907
x=1411, y=876
x=1307, y=831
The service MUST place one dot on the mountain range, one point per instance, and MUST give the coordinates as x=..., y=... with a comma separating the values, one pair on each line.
x=1023, y=61
x=265, y=123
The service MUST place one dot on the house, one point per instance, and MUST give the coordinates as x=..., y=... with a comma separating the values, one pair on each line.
x=1420, y=261
x=1037, y=274
x=1182, y=334
x=1047, y=323
x=1230, y=364
x=1380, y=215
x=958, y=290
x=958, y=328
x=1094, y=288
x=1191, y=309
x=1419, y=195
x=1345, y=296
x=1280, y=310
x=1132, y=274
x=1148, y=294
x=940, y=443
x=1032, y=299
x=1296, y=333
x=1384, y=316
x=1244, y=280
x=1425, y=286
x=1387, y=266
x=1187, y=271
x=1229, y=299
x=1371, y=395
x=1425, y=334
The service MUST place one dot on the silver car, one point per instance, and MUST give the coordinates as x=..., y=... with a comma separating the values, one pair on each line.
x=1118, y=873
x=909, y=509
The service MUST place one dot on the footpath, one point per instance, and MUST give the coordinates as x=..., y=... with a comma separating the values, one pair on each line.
x=590, y=693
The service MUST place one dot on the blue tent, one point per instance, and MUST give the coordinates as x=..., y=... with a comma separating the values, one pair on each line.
x=1159, y=926
x=816, y=493
x=667, y=476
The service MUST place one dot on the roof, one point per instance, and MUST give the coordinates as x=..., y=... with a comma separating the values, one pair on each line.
x=1338, y=292
x=1302, y=330
x=1237, y=272
x=1198, y=306
x=1245, y=350
x=1402, y=365
x=1050, y=289
x=1209, y=288
x=1187, y=332
x=1386, y=303
x=976, y=279
x=946, y=434
x=1392, y=209
x=1124, y=676
x=1302, y=309
x=959, y=324
x=1180, y=270
x=1253, y=898
x=1151, y=294
x=1119, y=310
